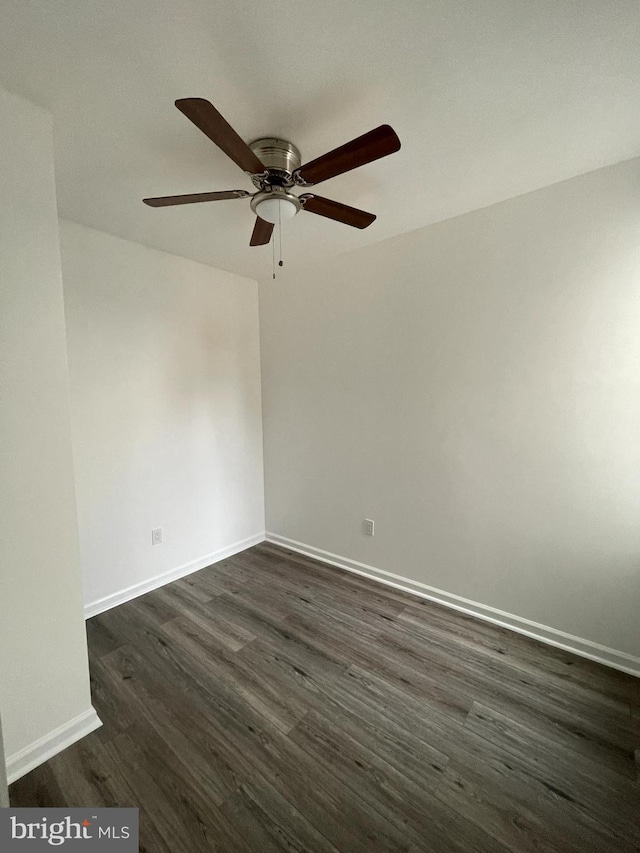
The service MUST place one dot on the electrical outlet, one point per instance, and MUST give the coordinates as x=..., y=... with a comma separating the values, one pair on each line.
x=156, y=536
x=369, y=526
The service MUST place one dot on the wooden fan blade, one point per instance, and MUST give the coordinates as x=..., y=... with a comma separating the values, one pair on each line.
x=262, y=232
x=365, y=149
x=207, y=118
x=194, y=198
x=335, y=210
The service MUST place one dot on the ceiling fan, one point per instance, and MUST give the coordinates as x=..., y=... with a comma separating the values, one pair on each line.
x=274, y=166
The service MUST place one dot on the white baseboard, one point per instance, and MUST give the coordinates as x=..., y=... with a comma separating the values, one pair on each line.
x=46, y=747
x=123, y=595
x=552, y=636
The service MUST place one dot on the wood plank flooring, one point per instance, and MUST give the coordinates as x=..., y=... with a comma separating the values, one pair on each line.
x=273, y=703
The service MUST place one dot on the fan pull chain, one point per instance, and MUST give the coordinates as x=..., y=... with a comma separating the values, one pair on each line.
x=273, y=246
x=273, y=257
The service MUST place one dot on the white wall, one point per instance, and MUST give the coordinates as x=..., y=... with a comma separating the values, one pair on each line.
x=4, y=790
x=44, y=683
x=474, y=387
x=164, y=361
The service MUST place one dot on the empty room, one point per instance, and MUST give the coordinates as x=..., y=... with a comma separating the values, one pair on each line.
x=320, y=426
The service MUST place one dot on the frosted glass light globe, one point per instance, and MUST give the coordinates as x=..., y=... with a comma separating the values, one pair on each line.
x=276, y=209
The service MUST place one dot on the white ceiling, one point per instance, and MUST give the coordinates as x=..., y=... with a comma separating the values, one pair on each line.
x=490, y=98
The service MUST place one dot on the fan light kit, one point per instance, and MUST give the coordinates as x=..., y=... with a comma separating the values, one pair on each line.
x=274, y=167
x=275, y=204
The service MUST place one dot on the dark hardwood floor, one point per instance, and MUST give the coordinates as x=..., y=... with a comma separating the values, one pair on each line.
x=273, y=703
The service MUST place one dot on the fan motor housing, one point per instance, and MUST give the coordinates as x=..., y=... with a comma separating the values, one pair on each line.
x=279, y=156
